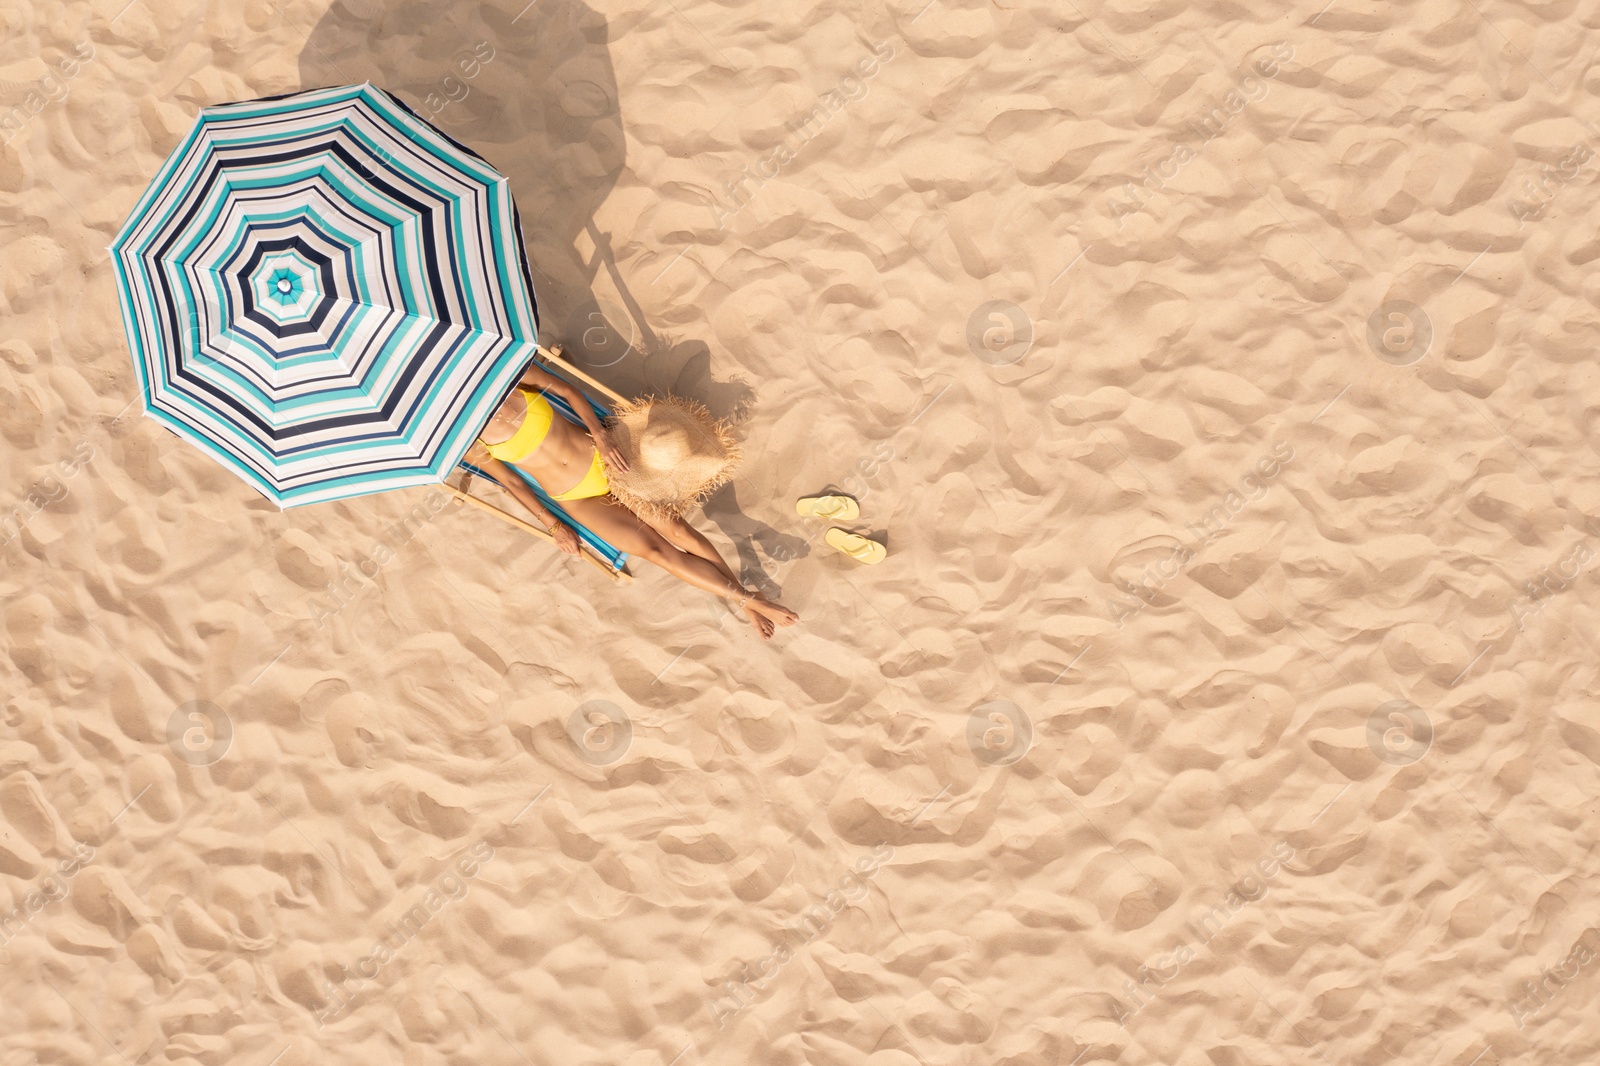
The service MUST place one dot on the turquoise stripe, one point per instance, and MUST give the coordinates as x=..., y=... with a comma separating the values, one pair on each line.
x=452, y=197
x=358, y=196
x=500, y=228
x=130, y=324
x=427, y=137
x=328, y=401
x=157, y=185
x=479, y=233
x=438, y=397
x=208, y=445
x=290, y=214
x=312, y=100
x=511, y=281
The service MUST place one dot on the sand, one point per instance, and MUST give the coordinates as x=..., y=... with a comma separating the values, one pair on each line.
x=1222, y=383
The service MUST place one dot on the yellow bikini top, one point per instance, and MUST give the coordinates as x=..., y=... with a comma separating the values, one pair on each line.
x=526, y=440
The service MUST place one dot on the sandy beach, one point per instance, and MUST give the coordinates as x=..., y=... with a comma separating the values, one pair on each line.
x=1221, y=381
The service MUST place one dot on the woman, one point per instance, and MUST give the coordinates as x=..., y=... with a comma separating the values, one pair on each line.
x=570, y=464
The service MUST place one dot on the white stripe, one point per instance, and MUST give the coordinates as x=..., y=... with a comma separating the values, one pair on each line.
x=463, y=386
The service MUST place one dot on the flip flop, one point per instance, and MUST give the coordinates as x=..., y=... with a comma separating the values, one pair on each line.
x=833, y=508
x=856, y=546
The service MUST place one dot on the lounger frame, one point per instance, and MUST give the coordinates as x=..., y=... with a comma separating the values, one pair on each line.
x=596, y=551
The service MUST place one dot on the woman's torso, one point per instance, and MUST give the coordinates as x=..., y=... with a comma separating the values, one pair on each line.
x=560, y=460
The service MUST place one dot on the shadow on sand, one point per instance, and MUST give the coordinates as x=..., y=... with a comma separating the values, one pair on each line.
x=534, y=93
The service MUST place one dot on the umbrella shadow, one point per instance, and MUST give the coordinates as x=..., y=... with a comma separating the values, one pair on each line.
x=602, y=335
x=535, y=93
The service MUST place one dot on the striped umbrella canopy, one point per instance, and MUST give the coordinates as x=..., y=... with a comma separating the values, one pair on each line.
x=326, y=293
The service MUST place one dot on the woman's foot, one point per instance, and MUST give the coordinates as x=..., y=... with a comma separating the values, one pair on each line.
x=763, y=614
x=763, y=625
x=778, y=614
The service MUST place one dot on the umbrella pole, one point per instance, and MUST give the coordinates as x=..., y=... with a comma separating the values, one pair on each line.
x=544, y=534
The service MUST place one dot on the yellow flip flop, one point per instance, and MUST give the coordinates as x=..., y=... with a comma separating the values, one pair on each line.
x=856, y=546
x=833, y=508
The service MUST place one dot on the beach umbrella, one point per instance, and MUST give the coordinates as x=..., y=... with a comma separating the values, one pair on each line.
x=326, y=293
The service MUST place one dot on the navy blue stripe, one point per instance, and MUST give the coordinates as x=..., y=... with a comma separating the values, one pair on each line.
x=429, y=419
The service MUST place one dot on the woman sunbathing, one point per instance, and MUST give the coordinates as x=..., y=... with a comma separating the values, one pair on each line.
x=570, y=464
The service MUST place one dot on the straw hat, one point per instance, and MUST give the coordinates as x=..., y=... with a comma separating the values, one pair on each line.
x=677, y=455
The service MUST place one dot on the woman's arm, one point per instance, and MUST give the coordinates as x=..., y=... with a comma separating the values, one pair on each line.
x=512, y=482
x=537, y=378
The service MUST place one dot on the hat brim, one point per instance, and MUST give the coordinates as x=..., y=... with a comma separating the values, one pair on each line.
x=664, y=493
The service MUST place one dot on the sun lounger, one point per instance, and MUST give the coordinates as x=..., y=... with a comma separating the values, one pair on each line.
x=600, y=554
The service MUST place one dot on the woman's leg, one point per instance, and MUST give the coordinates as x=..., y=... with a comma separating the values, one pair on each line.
x=681, y=535
x=686, y=538
x=633, y=535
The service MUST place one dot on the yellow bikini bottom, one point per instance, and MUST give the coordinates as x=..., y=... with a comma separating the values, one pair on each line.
x=594, y=483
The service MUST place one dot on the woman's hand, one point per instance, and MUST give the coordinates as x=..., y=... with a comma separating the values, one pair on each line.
x=566, y=539
x=609, y=451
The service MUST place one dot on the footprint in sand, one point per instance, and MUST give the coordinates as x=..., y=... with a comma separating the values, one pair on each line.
x=303, y=560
